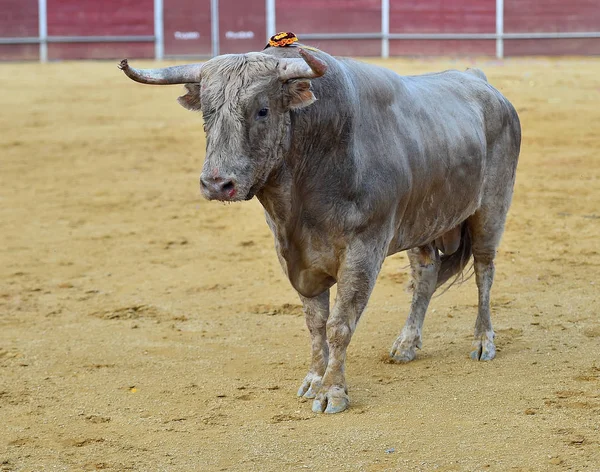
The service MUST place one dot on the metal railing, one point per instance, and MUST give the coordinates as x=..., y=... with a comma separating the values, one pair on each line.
x=271, y=21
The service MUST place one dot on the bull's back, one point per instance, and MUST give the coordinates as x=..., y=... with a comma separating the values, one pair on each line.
x=429, y=132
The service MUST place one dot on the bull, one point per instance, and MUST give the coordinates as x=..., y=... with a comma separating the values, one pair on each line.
x=352, y=163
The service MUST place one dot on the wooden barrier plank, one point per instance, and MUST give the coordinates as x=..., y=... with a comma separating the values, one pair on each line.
x=242, y=26
x=329, y=16
x=448, y=16
x=552, y=47
x=73, y=51
x=19, y=52
x=100, y=18
x=549, y=16
x=187, y=29
x=18, y=19
x=448, y=47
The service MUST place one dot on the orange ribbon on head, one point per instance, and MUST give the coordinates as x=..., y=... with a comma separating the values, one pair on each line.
x=281, y=40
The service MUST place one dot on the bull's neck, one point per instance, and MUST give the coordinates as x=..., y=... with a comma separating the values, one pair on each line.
x=274, y=196
x=321, y=139
x=317, y=158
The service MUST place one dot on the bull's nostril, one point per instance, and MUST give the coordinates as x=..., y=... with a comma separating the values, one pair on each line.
x=217, y=188
x=227, y=186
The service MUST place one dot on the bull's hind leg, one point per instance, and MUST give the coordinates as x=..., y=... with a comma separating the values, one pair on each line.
x=316, y=311
x=486, y=226
x=425, y=264
x=484, y=348
x=485, y=241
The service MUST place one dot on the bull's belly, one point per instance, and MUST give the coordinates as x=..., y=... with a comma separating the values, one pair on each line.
x=421, y=229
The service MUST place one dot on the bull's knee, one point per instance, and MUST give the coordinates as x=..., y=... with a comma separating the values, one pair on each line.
x=315, y=325
x=338, y=333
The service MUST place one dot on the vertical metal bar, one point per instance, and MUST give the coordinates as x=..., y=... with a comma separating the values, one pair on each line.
x=271, y=31
x=159, y=40
x=43, y=29
x=214, y=23
x=385, y=28
x=499, y=29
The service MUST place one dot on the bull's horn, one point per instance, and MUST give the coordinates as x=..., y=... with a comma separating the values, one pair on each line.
x=187, y=74
x=309, y=67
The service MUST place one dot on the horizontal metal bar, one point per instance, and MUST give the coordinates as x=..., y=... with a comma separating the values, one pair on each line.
x=433, y=36
x=428, y=36
x=557, y=35
x=79, y=39
x=322, y=36
x=304, y=36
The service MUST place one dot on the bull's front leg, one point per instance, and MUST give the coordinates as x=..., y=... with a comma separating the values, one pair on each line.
x=316, y=312
x=355, y=285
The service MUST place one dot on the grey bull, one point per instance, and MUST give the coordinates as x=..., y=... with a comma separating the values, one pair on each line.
x=353, y=163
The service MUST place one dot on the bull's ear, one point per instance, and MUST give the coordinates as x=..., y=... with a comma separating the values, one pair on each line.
x=191, y=100
x=299, y=94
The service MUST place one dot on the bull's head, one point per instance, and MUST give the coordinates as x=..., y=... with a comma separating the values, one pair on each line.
x=245, y=100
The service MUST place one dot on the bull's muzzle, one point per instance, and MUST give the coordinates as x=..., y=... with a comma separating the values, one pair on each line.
x=218, y=188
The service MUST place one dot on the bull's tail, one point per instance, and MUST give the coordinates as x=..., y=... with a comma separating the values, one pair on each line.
x=453, y=265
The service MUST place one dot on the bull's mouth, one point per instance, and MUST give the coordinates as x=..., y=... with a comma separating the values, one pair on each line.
x=252, y=192
x=228, y=191
x=233, y=195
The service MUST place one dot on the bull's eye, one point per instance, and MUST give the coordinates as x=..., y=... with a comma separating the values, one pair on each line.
x=262, y=113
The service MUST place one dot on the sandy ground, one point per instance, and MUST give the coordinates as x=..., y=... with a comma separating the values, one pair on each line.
x=143, y=328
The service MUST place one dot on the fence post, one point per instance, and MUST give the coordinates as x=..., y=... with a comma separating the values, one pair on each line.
x=499, y=29
x=214, y=24
x=43, y=30
x=271, y=24
x=159, y=40
x=385, y=28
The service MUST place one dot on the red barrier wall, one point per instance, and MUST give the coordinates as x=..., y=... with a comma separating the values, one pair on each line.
x=187, y=29
x=443, y=16
x=548, y=16
x=18, y=19
x=333, y=16
x=100, y=18
x=242, y=26
x=329, y=16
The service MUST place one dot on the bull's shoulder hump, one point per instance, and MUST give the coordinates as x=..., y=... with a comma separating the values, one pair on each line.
x=477, y=73
x=372, y=79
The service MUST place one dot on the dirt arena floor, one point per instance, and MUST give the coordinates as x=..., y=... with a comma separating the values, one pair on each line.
x=144, y=328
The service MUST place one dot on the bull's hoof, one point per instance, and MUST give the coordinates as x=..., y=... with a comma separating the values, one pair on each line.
x=402, y=356
x=310, y=386
x=405, y=347
x=333, y=400
x=483, y=347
